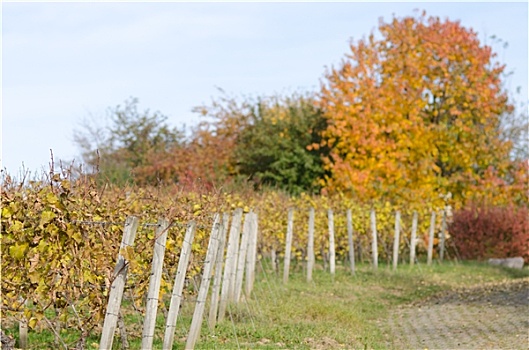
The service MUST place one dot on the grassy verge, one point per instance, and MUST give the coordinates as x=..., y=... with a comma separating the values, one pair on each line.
x=330, y=312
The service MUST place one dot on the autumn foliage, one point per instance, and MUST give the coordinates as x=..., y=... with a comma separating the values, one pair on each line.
x=411, y=120
x=414, y=112
x=481, y=232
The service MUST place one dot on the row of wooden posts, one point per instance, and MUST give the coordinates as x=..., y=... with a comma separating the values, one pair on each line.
x=241, y=255
x=241, y=252
x=350, y=234
x=227, y=261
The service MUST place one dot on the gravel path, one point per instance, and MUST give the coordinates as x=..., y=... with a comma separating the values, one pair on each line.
x=492, y=316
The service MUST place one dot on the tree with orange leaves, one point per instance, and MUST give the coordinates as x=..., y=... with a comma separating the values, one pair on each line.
x=414, y=112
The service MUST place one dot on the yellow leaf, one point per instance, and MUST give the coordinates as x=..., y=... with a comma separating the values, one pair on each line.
x=43, y=246
x=170, y=244
x=51, y=198
x=17, y=226
x=46, y=217
x=32, y=322
x=77, y=237
x=18, y=251
x=6, y=212
x=34, y=277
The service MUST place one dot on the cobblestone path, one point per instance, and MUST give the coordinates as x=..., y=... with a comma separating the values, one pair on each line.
x=492, y=316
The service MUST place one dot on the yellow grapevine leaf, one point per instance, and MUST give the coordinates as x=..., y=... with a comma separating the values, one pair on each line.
x=34, y=277
x=17, y=226
x=46, y=217
x=18, y=251
x=32, y=322
x=6, y=212
x=77, y=237
x=51, y=198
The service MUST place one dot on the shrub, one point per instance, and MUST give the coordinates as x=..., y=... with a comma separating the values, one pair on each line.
x=481, y=232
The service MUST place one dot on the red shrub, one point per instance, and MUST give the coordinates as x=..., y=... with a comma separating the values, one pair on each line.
x=491, y=232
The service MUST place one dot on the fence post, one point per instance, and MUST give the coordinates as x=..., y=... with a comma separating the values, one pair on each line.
x=396, y=241
x=332, y=253
x=241, y=260
x=442, y=237
x=374, y=244
x=273, y=260
x=213, y=308
x=350, y=239
x=413, y=241
x=23, y=330
x=151, y=308
x=288, y=246
x=176, y=296
x=430, y=238
x=196, y=323
x=310, y=247
x=228, y=280
x=118, y=285
x=233, y=274
x=251, y=257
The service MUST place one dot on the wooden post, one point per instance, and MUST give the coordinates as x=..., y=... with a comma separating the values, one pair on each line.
x=213, y=308
x=118, y=285
x=155, y=280
x=196, y=323
x=396, y=241
x=23, y=330
x=176, y=296
x=241, y=261
x=22, y=334
x=442, y=237
x=288, y=246
x=228, y=280
x=332, y=253
x=228, y=289
x=123, y=332
x=310, y=247
x=273, y=260
x=413, y=241
x=351, y=241
x=374, y=245
x=251, y=257
x=430, y=238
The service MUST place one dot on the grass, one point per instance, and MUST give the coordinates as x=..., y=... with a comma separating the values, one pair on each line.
x=330, y=312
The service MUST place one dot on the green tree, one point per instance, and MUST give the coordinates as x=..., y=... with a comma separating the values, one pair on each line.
x=274, y=150
x=265, y=140
x=131, y=146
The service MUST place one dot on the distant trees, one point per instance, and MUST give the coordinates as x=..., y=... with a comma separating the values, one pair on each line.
x=417, y=113
x=129, y=145
x=264, y=141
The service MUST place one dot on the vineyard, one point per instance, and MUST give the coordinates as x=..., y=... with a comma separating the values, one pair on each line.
x=61, y=238
x=283, y=221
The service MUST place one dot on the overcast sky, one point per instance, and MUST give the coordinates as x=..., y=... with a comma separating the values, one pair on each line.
x=63, y=62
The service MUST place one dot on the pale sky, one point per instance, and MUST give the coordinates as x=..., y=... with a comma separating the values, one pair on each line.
x=63, y=62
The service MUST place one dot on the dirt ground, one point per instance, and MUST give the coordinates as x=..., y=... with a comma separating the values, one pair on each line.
x=492, y=316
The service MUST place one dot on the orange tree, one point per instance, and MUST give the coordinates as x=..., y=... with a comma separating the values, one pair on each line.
x=414, y=113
